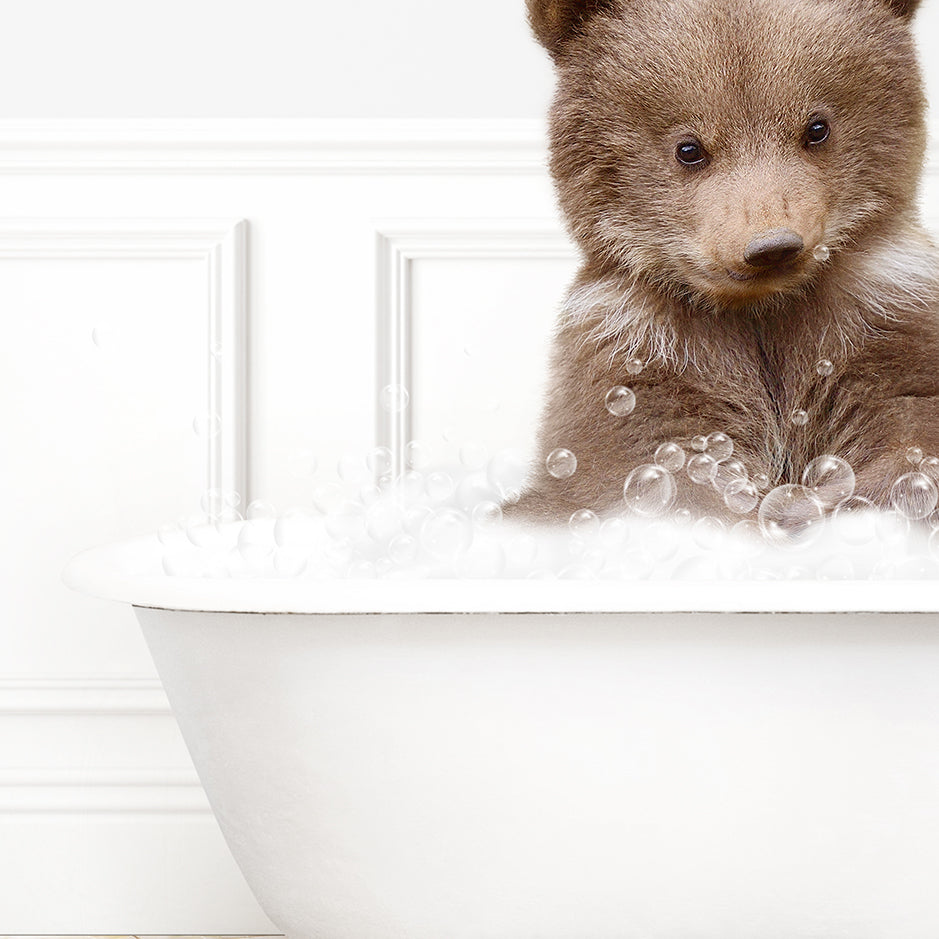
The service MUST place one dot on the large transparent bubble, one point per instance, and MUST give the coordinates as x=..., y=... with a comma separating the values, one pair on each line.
x=789, y=516
x=649, y=490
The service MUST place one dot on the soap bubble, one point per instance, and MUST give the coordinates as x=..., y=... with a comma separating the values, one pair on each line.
x=659, y=541
x=439, y=486
x=789, y=516
x=821, y=252
x=829, y=479
x=670, y=456
x=914, y=455
x=403, y=549
x=302, y=463
x=379, y=460
x=487, y=513
x=741, y=496
x=207, y=425
x=561, y=463
x=384, y=520
x=260, y=508
x=584, y=524
x=346, y=521
x=649, y=490
x=699, y=443
x=730, y=471
x=824, y=367
x=473, y=489
x=854, y=519
x=473, y=456
x=326, y=497
x=634, y=366
x=708, y=533
x=214, y=502
x=930, y=465
x=620, y=401
x=369, y=494
x=799, y=417
x=914, y=495
x=394, y=398
x=761, y=481
x=701, y=468
x=411, y=485
x=351, y=468
x=719, y=446
x=416, y=455
x=447, y=534
x=506, y=472
x=614, y=532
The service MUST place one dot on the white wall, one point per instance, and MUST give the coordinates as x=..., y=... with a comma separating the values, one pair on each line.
x=286, y=58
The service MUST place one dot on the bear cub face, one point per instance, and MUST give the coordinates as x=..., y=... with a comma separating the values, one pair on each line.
x=741, y=177
x=712, y=146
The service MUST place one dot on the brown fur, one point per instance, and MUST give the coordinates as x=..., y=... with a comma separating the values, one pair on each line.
x=661, y=240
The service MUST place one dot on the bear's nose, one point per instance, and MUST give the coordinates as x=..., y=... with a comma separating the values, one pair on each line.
x=772, y=248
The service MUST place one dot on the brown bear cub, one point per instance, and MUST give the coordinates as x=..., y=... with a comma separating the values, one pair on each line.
x=741, y=177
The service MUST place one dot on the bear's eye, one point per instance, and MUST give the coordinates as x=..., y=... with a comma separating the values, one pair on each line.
x=690, y=152
x=817, y=132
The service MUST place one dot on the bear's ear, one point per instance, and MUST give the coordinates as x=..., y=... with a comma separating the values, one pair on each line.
x=556, y=21
x=904, y=8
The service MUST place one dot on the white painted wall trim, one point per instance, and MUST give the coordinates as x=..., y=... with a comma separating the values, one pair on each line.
x=221, y=244
x=399, y=245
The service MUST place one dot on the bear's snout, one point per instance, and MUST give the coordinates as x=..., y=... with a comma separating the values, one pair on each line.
x=773, y=248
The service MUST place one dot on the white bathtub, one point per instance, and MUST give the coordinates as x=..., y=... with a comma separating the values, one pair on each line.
x=549, y=760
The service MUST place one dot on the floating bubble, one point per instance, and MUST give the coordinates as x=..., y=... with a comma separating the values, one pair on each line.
x=929, y=465
x=302, y=463
x=215, y=502
x=649, y=490
x=412, y=484
x=487, y=513
x=708, y=533
x=789, y=516
x=914, y=495
x=699, y=443
x=701, y=468
x=394, y=398
x=634, y=366
x=824, y=367
x=728, y=472
x=719, y=446
x=741, y=496
x=473, y=456
x=403, y=549
x=561, y=463
x=506, y=472
x=620, y=401
x=614, y=532
x=584, y=524
x=260, y=508
x=207, y=425
x=799, y=417
x=670, y=456
x=854, y=519
x=914, y=455
x=351, y=468
x=660, y=542
x=378, y=460
x=384, y=520
x=416, y=455
x=473, y=489
x=761, y=481
x=821, y=252
x=439, y=486
x=447, y=534
x=829, y=479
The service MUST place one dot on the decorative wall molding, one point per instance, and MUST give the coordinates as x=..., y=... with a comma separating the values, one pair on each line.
x=96, y=791
x=221, y=244
x=216, y=146
x=123, y=697
x=399, y=245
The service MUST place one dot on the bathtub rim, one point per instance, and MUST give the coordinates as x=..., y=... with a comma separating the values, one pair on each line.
x=124, y=571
